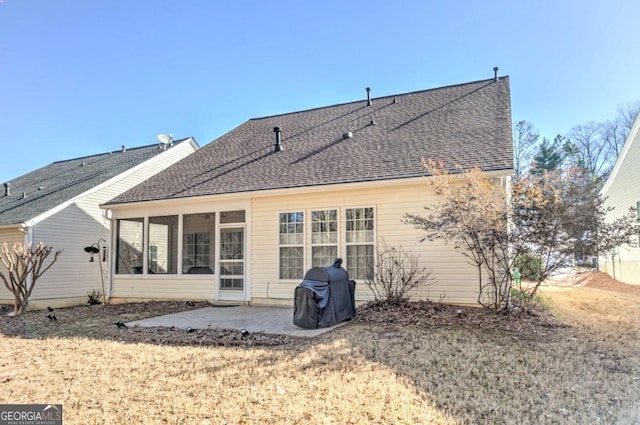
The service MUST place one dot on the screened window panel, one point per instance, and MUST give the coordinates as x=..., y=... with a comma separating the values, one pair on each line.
x=231, y=284
x=231, y=244
x=163, y=244
x=129, y=247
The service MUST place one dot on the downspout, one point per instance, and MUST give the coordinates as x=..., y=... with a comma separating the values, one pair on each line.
x=110, y=257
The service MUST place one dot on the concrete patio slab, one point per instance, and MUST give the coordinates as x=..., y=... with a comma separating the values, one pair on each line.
x=272, y=320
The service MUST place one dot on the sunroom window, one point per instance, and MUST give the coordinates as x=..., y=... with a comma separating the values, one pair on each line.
x=129, y=245
x=198, y=232
x=163, y=244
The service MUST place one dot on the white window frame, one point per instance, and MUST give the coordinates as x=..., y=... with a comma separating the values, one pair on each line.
x=372, y=243
x=295, y=245
x=337, y=243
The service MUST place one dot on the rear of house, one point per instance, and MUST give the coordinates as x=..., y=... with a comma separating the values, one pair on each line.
x=243, y=218
x=622, y=191
x=59, y=205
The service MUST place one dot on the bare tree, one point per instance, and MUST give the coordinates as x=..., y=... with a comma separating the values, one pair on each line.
x=588, y=150
x=525, y=138
x=472, y=215
x=24, y=265
x=615, y=132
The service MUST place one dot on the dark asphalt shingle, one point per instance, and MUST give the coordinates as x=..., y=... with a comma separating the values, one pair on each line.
x=463, y=125
x=45, y=188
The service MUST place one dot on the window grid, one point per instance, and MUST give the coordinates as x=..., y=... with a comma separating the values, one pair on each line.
x=324, y=237
x=291, y=240
x=359, y=240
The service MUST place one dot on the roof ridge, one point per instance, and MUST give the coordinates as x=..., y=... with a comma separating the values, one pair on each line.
x=379, y=98
x=115, y=152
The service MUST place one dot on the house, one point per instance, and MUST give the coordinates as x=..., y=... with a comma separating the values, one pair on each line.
x=621, y=191
x=243, y=218
x=59, y=205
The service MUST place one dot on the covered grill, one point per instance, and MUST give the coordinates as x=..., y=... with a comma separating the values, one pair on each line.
x=325, y=296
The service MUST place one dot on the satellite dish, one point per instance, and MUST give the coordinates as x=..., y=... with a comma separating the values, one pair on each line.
x=165, y=139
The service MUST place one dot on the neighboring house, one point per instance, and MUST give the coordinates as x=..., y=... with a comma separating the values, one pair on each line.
x=243, y=218
x=622, y=190
x=59, y=205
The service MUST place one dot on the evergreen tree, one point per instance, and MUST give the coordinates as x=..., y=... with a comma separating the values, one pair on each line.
x=550, y=155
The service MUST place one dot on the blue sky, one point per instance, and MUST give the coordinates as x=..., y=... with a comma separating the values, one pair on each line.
x=79, y=77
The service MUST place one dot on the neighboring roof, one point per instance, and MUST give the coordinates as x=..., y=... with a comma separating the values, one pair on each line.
x=463, y=125
x=631, y=137
x=48, y=187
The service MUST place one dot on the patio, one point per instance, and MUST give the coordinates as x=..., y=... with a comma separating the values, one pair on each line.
x=272, y=320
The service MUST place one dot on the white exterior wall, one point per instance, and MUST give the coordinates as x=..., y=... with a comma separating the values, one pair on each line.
x=135, y=287
x=456, y=280
x=8, y=236
x=622, y=191
x=80, y=223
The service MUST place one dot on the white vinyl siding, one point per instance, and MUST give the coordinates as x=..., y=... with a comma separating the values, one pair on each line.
x=10, y=237
x=456, y=280
x=81, y=223
x=622, y=191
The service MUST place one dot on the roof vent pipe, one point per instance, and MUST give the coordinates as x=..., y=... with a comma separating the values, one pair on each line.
x=278, y=146
x=7, y=189
x=495, y=73
x=369, y=103
x=124, y=148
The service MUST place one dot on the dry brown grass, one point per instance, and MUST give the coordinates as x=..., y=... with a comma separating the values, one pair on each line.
x=386, y=373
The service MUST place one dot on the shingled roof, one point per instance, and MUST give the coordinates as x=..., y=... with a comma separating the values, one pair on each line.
x=48, y=187
x=463, y=125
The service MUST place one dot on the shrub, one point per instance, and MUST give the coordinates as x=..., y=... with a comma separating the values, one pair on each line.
x=397, y=273
x=95, y=297
x=529, y=266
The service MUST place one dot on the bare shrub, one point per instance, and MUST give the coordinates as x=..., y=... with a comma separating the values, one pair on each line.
x=397, y=273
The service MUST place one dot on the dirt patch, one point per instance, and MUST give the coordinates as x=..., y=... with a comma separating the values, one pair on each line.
x=598, y=280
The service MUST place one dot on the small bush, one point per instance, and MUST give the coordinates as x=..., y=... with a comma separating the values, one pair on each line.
x=397, y=273
x=95, y=297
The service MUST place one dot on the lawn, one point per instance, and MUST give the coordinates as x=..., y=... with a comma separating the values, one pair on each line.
x=411, y=364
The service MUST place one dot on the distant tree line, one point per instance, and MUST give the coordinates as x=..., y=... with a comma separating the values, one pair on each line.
x=592, y=147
